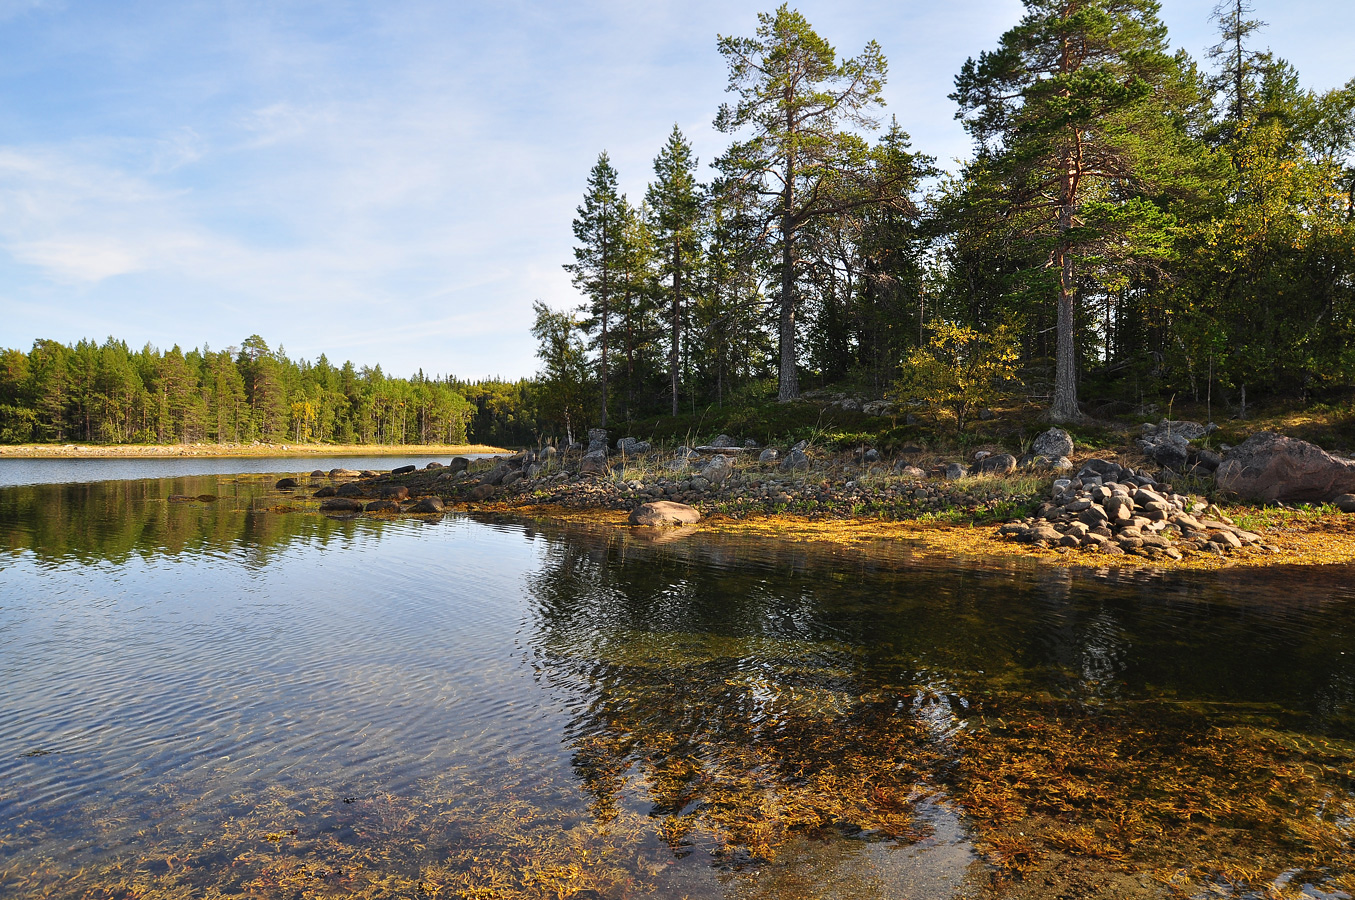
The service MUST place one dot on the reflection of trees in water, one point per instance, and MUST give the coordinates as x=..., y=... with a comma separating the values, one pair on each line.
x=1130, y=719
x=739, y=712
x=113, y=521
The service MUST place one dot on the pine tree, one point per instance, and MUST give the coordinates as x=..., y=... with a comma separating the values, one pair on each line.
x=796, y=97
x=675, y=201
x=1060, y=113
x=598, y=228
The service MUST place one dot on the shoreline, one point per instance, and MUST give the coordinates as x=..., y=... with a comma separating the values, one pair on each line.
x=232, y=451
x=836, y=500
x=1322, y=542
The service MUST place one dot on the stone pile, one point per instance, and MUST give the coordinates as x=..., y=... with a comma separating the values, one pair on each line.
x=1116, y=510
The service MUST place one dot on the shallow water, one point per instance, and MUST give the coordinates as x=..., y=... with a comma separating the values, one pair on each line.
x=224, y=699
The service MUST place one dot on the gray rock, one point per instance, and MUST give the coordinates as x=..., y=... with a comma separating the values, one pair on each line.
x=718, y=469
x=1191, y=431
x=626, y=446
x=802, y=445
x=341, y=504
x=392, y=492
x=768, y=455
x=987, y=415
x=1053, y=443
x=404, y=470
x=954, y=471
x=594, y=462
x=458, y=464
x=664, y=512
x=1062, y=464
x=427, y=505
x=795, y=459
x=286, y=484
x=480, y=492
x=343, y=473
x=1269, y=466
x=512, y=478
x=1002, y=464
x=326, y=491
x=597, y=434
x=382, y=506
x=1345, y=503
x=872, y=455
x=433, y=465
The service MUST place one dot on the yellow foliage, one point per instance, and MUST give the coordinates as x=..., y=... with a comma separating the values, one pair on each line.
x=961, y=369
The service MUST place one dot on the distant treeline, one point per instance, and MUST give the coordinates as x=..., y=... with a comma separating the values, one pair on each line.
x=109, y=393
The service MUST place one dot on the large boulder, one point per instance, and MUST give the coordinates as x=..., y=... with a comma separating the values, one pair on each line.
x=341, y=504
x=594, y=462
x=1270, y=466
x=393, y=492
x=1053, y=443
x=718, y=469
x=458, y=464
x=795, y=459
x=404, y=470
x=428, y=505
x=664, y=512
x=1191, y=431
x=1002, y=464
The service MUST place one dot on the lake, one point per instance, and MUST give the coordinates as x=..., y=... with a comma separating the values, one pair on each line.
x=239, y=697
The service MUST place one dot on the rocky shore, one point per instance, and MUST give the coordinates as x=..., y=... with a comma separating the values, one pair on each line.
x=1041, y=501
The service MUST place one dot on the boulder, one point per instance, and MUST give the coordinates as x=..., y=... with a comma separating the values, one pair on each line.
x=458, y=464
x=912, y=472
x=1002, y=464
x=954, y=471
x=594, y=462
x=428, y=505
x=724, y=440
x=286, y=484
x=664, y=512
x=349, y=490
x=987, y=415
x=497, y=474
x=1345, y=503
x=392, y=492
x=718, y=469
x=512, y=478
x=343, y=473
x=769, y=455
x=1191, y=431
x=326, y=491
x=795, y=459
x=1053, y=443
x=1172, y=451
x=404, y=470
x=878, y=408
x=366, y=473
x=872, y=455
x=383, y=506
x=341, y=504
x=480, y=492
x=318, y=473
x=626, y=446
x=433, y=465
x=1270, y=466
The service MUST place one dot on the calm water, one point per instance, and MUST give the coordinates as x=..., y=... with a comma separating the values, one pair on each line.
x=221, y=699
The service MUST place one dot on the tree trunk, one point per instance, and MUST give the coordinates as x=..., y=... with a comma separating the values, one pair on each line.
x=677, y=321
x=788, y=386
x=1064, y=408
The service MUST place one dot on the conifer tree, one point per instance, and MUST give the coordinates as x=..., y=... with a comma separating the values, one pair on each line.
x=675, y=201
x=598, y=228
x=1060, y=113
x=796, y=97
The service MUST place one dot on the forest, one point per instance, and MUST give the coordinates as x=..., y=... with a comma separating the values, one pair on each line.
x=1132, y=225
x=108, y=393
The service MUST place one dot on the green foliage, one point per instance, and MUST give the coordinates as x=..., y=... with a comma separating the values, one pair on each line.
x=110, y=394
x=961, y=369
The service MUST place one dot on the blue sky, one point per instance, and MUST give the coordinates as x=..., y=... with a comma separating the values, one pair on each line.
x=393, y=182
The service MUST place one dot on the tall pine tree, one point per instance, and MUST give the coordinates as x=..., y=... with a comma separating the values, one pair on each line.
x=599, y=229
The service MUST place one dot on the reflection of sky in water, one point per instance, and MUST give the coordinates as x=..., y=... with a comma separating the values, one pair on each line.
x=165, y=664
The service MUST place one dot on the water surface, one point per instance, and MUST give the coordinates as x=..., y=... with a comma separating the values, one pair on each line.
x=16, y=471
x=221, y=699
